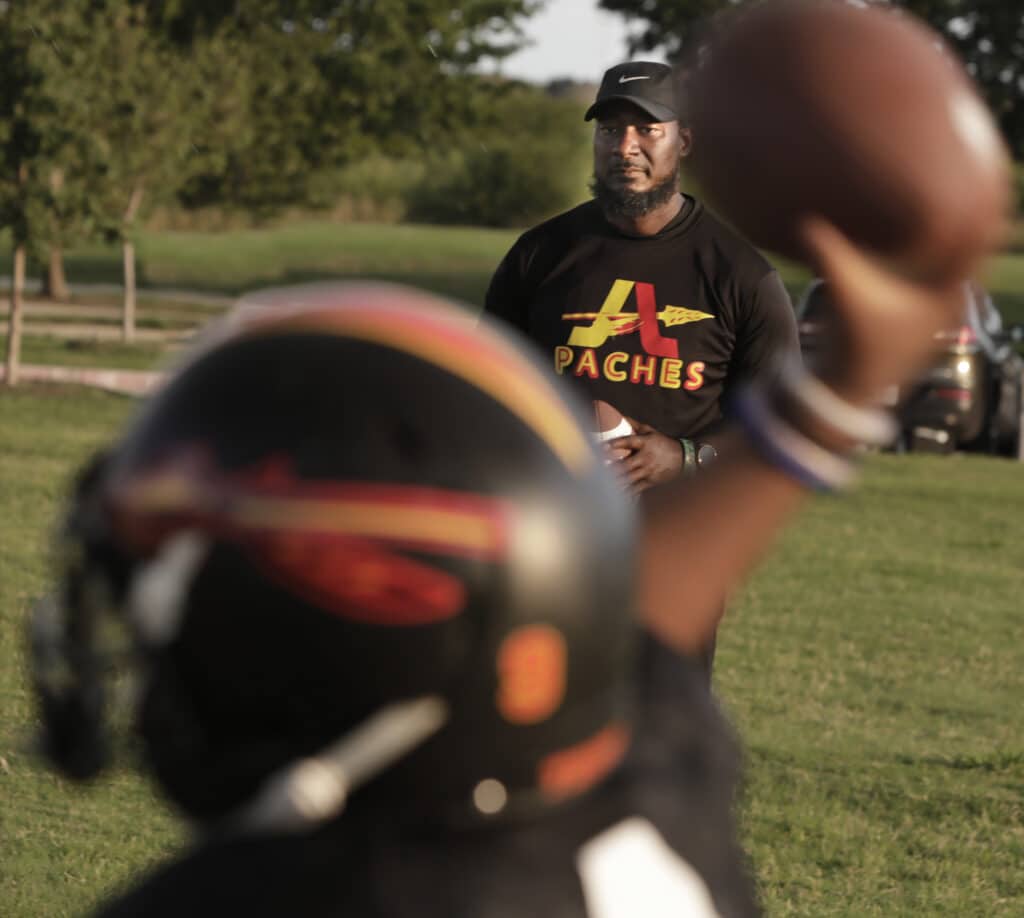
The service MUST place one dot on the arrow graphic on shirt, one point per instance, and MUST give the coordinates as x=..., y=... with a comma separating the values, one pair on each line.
x=622, y=323
x=610, y=320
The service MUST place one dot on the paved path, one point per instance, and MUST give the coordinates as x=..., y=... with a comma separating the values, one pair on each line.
x=176, y=312
x=127, y=382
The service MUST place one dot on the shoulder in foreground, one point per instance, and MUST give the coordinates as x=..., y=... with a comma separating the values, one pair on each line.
x=255, y=876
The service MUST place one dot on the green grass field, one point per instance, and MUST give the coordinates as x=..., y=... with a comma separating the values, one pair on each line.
x=455, y=261
x=873, y=666
x=59, y=848
x=875, y=671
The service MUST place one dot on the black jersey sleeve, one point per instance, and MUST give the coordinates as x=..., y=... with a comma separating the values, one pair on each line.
x=508, y=293
x=766, y=329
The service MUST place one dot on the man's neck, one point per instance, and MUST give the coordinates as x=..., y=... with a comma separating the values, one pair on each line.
x=652, y=222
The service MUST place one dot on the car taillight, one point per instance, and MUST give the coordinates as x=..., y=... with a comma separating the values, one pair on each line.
x=960, y=396
x=962, y=336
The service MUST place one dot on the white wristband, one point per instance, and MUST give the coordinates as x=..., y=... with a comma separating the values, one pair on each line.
x=873, y=426
x=787, y=449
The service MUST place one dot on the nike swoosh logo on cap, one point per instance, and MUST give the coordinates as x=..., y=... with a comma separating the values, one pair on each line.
x=626, y=79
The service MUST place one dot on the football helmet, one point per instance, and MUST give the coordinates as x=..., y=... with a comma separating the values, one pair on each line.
x=358, y=540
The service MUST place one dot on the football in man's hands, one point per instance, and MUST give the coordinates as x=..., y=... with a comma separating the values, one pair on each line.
x=609, y=423
x=859, y=114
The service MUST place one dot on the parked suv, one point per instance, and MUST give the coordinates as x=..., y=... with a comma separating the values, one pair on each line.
x=972, y=397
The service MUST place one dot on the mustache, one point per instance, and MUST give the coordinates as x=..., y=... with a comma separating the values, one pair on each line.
x=621, y=165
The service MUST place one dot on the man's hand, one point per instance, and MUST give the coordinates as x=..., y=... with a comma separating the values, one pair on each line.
x=653, y=458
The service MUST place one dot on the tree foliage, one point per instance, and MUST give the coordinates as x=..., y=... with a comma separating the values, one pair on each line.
x=528, y=158
x=668, y=25
x=244, y=102
x=331, y=82
x=108, y=106
x=136, y=106
x=988, y=35
x=37, y=192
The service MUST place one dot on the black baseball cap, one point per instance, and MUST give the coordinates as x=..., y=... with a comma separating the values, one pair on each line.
x=647, y=85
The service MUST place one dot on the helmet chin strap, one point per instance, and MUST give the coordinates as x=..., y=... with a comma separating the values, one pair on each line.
x=315, y=789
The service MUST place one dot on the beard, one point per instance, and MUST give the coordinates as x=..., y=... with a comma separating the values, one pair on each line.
x=621, y=202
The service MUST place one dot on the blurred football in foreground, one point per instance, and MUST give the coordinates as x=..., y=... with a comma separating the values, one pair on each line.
x=859, y=114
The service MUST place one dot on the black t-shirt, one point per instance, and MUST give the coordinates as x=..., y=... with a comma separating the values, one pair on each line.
x=664, y=818
x=659, y=326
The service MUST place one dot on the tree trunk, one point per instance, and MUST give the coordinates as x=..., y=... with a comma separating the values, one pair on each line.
x=56, y=285
x=128, y=249
x=14, y=319
x=128, y=315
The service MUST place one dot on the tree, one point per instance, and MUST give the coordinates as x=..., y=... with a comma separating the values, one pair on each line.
x=137, y=108
x=334, y=80
x=67, y=223
x=988, y=35
x=34, y=142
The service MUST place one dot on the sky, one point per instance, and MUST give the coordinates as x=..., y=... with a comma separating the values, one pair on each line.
x=571, y=38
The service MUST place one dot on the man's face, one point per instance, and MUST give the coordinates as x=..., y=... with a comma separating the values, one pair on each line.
x=632, y=153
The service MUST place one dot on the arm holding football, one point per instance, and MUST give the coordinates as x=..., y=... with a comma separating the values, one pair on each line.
x=704, y=534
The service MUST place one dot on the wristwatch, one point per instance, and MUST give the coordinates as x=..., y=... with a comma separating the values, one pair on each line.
x=706, y=454
x=696, y=455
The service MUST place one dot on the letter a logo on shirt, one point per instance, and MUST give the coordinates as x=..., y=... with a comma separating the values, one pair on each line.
x=610, y=321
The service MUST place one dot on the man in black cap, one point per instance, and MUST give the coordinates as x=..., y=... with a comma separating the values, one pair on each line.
x=641, y=296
